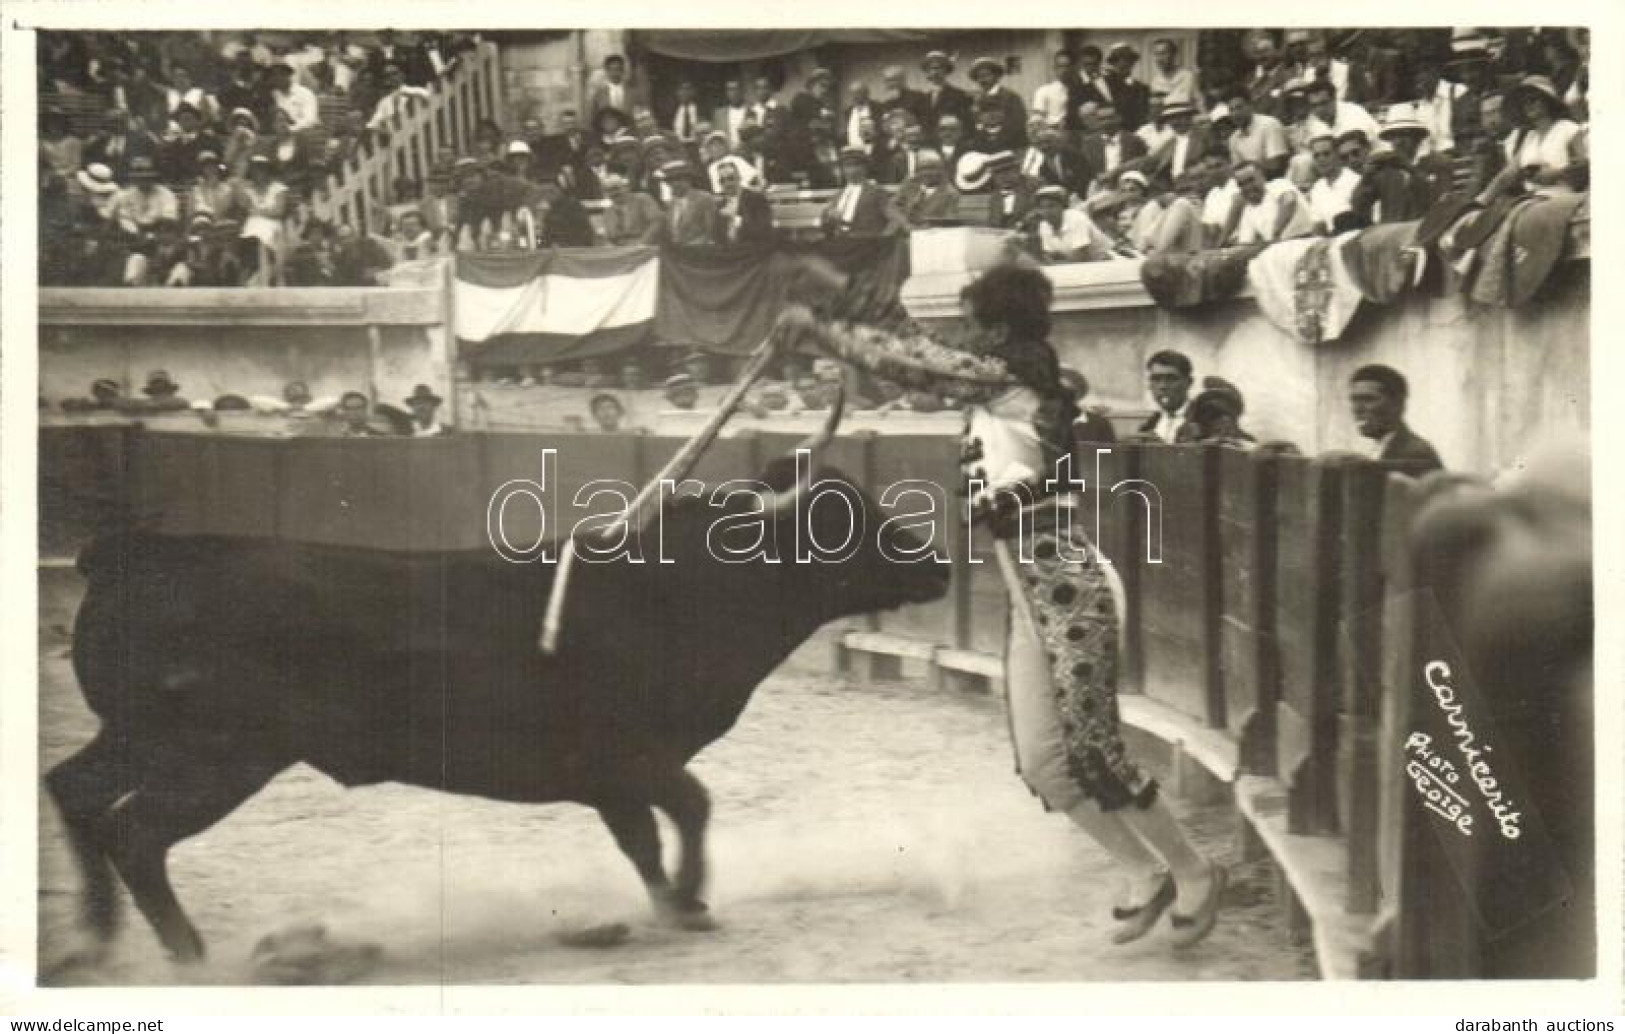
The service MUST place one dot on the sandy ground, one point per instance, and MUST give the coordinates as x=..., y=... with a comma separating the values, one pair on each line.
x=870, y=834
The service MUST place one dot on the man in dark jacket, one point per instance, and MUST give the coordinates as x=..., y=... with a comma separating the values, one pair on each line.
x=1130, y=97
x=1377, y=397
x=743, y=215
x=942, y=97
x=1011, y=131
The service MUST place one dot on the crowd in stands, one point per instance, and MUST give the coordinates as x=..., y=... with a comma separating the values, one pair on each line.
x=1313, y=132
x=197, y=159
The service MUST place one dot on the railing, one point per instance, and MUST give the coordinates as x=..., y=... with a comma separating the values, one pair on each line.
x=446, y=119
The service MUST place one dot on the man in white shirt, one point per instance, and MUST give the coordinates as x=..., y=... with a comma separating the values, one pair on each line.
x=1334, y=185
x=1050, y=100
x=1067, y=234
x=1219, y=203
x=1168, y=378
x=295, y=100
x=732, y=115
x=1258, y=138
x=1329, y=116
x=397, y=98
x=685, y=118
x=1272, y=210
x=1170, y=83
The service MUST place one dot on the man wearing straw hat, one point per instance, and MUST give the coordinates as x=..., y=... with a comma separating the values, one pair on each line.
x=942, y=97
x=1397, y=185
x=987, y=74
x=146, y=205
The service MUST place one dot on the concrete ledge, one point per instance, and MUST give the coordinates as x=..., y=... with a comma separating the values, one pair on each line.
x=1209, y=747
x=1314, y=867
x=241, y=306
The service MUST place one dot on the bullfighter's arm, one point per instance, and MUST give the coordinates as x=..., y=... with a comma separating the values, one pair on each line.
x=912, y=360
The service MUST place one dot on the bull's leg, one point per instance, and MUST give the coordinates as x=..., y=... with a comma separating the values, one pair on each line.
x=84, y=787
x=181, y=797
x=685, y=799
x=637, y=835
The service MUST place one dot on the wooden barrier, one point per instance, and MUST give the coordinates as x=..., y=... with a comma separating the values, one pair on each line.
x=1278, y=642
x=1306, y=521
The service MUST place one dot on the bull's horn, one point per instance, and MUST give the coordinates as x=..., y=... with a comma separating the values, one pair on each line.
x=787, y=502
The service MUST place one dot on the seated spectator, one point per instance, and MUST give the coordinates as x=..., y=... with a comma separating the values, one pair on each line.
x=93, y=189
x=632, y=216
x=58, y=143
x=1053, y=101
x=267, y=206
x=608, y=412
x=244, y=89
x=1215, y=416
x=872, y=143
x=1259, y=139
x=1109, y=148
x=290, y=153
x=105, y=396
x=1377, y=396
x=951, y=143
x=1329, y=116
x=355, y=417
x=178, y=155
x=1171, y=84
x=682, y=391
x=162, y=394
x=145, y=206
x=424, y=405
x=412, y=238
x=861, y=209
x=691, y=217
x=1397, y=185
x=242, y=141
x=398, y=97
x=743, y=214
x=1180, y=227
x=1058, y=164
x=1065, y=234
x=818, y=161
x=1013, y=194
x=210, y=259
x=1271, y=210
x=1332, y=194
x=1353, y=148
x=751, y=154
x=126, y=138
x=315, y=262
x=1551, y=154
x=926, y=197
x=1090, y=427
x=1181, y=148
x=296, y=101
x=182, y=90
x=362, y=258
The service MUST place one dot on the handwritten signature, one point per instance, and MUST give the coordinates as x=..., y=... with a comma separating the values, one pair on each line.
x=1437, y=778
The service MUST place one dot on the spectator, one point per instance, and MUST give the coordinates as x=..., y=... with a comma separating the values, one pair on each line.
x=1011, y=133
x=163, y=394
x=1215, y=416
x=355, y=416
x=210, y=259
x=126, y=138
x=743, y=214
x=1169, y=82
x=1092, y=87
x=1109, y=148
x=267, y=202
x=691, y=217
x=242, y=141
x=1259, y=139
x=296, y=101
x=1551, y=153
x=145, y=206
x=1319, y=65
x=926, y=197
x=244, y=89
x=1396, y=186
x=440, y=208
x=413, y=239
x=764, y=98
x=1013, y=194
x=290, y=153
x=815, y=101
x=607, y=410
x=732, y=114
x=1055, y=99
x=614, y=93
x=1220, y=210
x=1130, y=97
x=942, y=97
x=878, y=152
x=685, y=117
x=1168, y=375
x=1271, y=210
x=1089, y=428
x=751, y=155
x=951, y=142
x=1181, y=229
x=1377, y=396
x=1065, y=234
x=58, y=143
x=564, y=220
x=94, y=190
x=104, y=396
x=682, y=392
x=860, y=209
x=632, y=217
x=899, y=96
x=178, y=155
x=1353, y=148
x=859, y=110
x=424, y=406
x=397, y=99
x=1487, y=156
x=1332, y=195
x=633, y=376
x=1270, y=76
x=1182, y=149
x=1330, y=116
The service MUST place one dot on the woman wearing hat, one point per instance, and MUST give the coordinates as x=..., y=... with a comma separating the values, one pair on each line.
x=1551, y=152
x=267, y=206
x=242, y=141
x=1063, y=651
x=94, y=186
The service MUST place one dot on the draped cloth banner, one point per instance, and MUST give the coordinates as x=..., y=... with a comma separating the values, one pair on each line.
x=550, y=305
x=544, y=307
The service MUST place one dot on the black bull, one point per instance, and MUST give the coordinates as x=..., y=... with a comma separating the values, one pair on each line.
x=215, y=664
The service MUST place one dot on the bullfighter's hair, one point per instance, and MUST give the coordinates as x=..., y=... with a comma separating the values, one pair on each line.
x=1011, y=303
